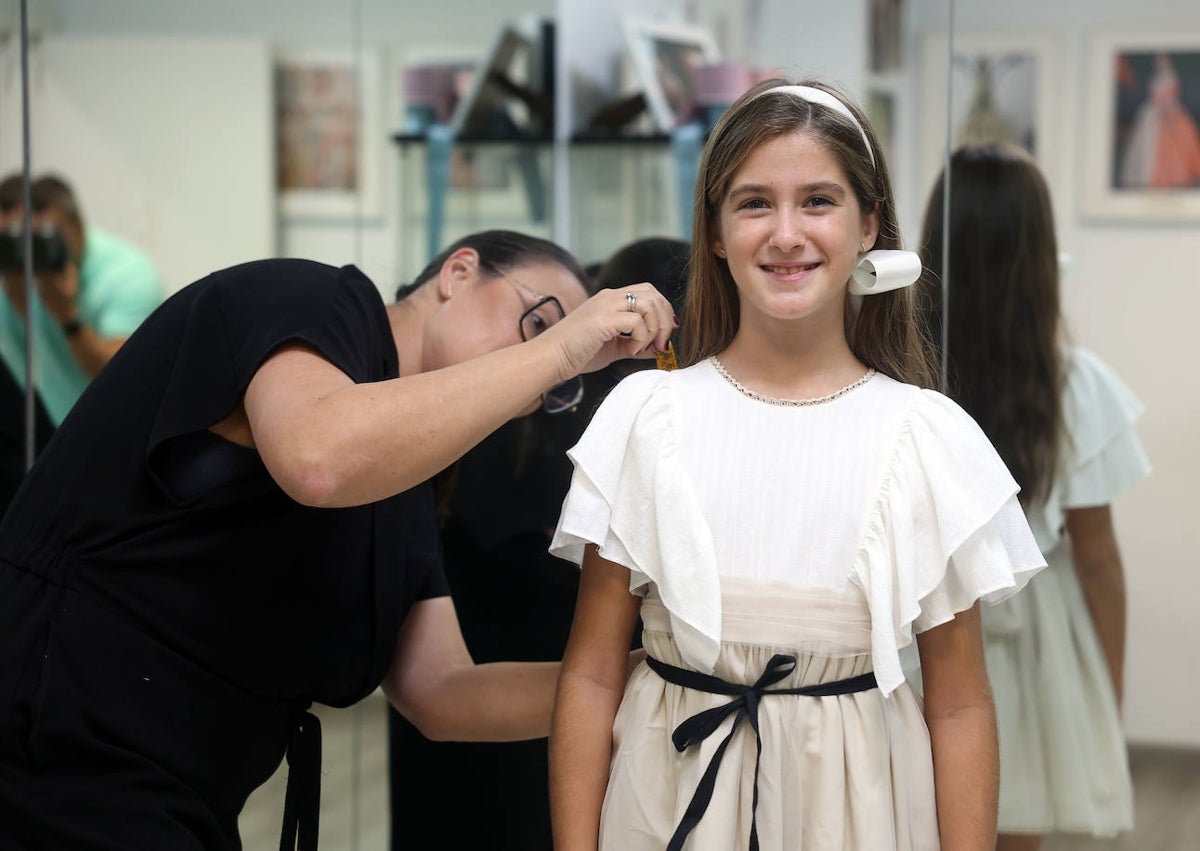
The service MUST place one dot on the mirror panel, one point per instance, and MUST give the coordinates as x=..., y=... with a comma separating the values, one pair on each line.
x=193, y=179
x=1126, y=296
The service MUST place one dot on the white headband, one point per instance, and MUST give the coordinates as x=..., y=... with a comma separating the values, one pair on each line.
x=824, y=98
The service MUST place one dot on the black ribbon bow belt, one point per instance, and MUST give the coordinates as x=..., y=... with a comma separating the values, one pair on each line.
x=745, y=704
x=302, y=800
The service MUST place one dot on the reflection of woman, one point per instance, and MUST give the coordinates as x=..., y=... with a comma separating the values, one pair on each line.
x=1164, y=143
x=1063, y=422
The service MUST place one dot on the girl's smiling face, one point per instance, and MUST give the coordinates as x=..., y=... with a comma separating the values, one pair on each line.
x=790, y=230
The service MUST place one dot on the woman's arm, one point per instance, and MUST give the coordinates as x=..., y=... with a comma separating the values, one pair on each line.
x=589, y=692
x=331, y=443
x=1097, y=560
x=435, y=684
x=962, y=729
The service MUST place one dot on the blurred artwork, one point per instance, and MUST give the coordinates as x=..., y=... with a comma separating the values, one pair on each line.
x=885, y=35
x=317, y=137
x=1157, y=143
x=881, y=112
x=996, y=98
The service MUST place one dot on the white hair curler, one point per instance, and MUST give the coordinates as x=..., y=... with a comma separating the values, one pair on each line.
x=882, y=270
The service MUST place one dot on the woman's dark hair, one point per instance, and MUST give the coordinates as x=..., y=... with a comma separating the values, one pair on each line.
x=1004, y=332
x=499, y=252
x=661, y=260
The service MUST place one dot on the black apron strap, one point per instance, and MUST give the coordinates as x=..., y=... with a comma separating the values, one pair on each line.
x=744, y=705
x=302, y=800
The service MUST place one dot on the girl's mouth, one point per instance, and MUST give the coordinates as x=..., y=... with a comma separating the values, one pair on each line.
x=794, y=269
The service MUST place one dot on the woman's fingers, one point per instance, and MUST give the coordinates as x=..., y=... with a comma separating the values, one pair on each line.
x=632, y=321
x=654, y=311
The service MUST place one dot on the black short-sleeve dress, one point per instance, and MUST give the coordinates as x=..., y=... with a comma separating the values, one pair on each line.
x=167, y=613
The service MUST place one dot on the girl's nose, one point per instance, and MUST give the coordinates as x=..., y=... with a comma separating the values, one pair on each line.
x=788, y=233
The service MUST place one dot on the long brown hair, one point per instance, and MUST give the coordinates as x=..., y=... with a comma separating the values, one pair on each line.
x=884, y=334
x=1004, y=333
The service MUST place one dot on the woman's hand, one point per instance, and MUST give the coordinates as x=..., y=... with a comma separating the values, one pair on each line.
x=630, y=322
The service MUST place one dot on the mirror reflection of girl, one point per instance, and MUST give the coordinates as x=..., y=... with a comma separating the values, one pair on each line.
x=791, y=505
x=1062, y=421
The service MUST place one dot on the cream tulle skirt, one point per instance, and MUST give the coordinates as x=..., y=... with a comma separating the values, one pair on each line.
x=846, y=772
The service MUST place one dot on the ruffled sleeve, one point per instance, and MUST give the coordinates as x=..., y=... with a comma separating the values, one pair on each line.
x=629, y=496
x=1100, y=411
x=946, y=530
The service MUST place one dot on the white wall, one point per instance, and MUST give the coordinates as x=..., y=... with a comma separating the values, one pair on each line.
x=208, y=140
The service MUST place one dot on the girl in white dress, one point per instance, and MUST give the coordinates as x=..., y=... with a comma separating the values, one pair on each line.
x=794, y=518
x=1063, y=421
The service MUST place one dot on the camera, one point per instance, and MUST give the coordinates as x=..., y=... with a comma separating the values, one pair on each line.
x=50, y=252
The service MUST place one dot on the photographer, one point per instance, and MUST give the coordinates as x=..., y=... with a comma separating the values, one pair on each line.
x=93, y=291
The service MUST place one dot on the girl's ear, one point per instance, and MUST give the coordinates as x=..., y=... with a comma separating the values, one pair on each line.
x=870, y=228
x=714, y=239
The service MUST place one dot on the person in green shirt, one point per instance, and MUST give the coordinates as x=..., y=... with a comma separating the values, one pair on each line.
x=93, y=288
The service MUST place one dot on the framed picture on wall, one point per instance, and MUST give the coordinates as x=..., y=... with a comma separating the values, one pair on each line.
x=328, y=135
x=1142, y=139
x=663, y=57
x=1000, y=86
x=880, y=106
x=885, y=35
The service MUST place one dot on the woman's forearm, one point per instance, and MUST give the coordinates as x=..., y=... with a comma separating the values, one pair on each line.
x=492, y=702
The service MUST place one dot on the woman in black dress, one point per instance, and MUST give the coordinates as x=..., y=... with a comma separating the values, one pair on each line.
x=235, y=521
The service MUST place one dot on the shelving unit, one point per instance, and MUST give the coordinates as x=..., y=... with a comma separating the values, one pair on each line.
x=450, y=187
x=622, y=188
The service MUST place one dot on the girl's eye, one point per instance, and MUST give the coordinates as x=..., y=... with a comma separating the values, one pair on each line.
x=820, y=201
x=753, y=204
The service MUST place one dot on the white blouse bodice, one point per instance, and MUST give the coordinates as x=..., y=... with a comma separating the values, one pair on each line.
x=889, y=489
x=785, y=490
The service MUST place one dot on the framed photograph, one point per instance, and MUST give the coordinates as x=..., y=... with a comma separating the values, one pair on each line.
x=1001, y=86
x=328, y=135
x=663, y=58
x=1141, y=139
x=880, y=106
x=886, y=32
x=510, y=92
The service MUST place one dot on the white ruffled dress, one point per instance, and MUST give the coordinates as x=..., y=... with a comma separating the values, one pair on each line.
x=832, y=532
x=1063, y=758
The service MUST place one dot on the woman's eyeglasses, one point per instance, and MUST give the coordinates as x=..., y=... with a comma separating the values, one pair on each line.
x=546, y=311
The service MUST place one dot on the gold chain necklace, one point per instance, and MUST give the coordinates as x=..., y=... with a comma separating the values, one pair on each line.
x=789, y=403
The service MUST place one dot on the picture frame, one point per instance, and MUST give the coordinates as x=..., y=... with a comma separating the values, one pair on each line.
x=880, y=105
x=1141, y=144
x=661, y=56
x=329, y=134
x=885, y=36
x=1017, y=73
x=511, y=89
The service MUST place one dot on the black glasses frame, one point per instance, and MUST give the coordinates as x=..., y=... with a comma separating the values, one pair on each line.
x=560, y=397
